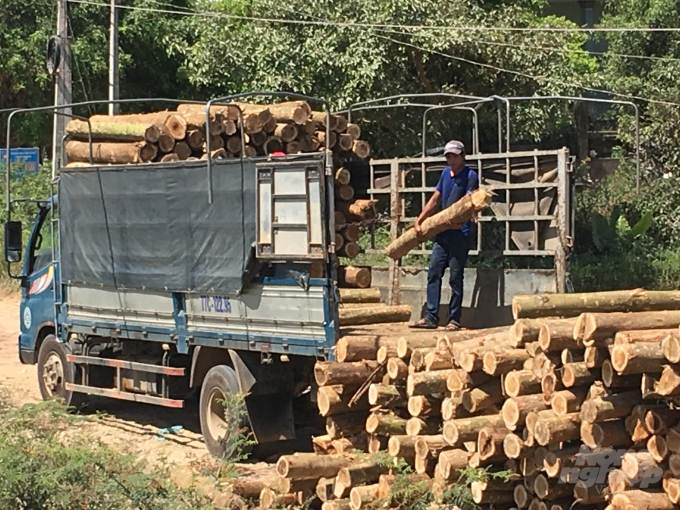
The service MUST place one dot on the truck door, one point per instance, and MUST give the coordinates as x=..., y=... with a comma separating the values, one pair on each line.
x=37, y=298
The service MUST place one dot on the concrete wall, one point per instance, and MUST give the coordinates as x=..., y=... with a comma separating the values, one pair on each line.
x=487, y=295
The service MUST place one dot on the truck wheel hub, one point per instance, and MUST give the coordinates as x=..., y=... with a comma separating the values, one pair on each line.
x=53, y=374
x=217, y=423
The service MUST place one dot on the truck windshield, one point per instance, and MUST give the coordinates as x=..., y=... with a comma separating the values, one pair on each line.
x=41, y=252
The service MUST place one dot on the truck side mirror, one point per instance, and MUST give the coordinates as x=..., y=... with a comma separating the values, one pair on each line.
x=13, y=241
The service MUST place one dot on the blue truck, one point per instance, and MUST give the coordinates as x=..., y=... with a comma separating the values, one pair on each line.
x=151, y=282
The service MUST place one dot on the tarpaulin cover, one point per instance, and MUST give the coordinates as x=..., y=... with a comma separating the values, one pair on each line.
x=152, y=227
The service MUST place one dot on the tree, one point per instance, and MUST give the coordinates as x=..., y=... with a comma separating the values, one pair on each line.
x=322, y=54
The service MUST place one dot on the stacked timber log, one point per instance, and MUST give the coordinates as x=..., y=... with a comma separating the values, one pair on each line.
x=351, y=214
x=289, y=127
x=576, y=400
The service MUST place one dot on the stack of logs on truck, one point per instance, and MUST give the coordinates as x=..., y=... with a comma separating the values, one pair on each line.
x=290, y=127
x=575, y=401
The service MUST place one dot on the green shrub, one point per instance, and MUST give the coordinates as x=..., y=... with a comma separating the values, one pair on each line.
x=46, y=463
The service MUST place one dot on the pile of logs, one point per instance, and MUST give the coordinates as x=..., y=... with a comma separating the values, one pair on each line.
x=290, y=127
x=576, y=400
x=362, y=306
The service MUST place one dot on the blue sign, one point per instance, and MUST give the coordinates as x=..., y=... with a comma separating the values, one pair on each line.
x=22, y=161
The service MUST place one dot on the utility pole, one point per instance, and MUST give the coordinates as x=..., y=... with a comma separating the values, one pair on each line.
x=62, y=84
x=114, y=80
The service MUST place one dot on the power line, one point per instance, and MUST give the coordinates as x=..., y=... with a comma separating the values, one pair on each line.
x=381, y=25
x=385, y=27
x=525, y=75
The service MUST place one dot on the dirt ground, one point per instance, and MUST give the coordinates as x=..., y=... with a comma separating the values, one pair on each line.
x=126, y=426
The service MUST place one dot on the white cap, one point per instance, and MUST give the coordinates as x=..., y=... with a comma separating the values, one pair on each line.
x=454, y=147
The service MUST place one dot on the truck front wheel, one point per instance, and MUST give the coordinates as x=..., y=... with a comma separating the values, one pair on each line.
x=54, y=372
x=219, y=385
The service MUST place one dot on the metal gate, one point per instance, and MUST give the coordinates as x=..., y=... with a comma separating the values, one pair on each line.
x=530, y=217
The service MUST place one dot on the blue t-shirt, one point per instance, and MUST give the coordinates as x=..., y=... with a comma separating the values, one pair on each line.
x=453, y=188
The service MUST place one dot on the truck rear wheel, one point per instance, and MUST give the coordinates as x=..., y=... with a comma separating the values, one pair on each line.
x=220, y=382
x=54, y=372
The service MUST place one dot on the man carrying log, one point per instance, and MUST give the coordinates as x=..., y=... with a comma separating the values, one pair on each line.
x=451, y=247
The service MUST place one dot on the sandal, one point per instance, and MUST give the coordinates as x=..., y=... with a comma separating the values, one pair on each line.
x=452, y=326
x=423, y=324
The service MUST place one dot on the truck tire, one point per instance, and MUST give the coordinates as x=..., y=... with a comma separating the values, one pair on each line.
x=54, y=372
x=219, y=383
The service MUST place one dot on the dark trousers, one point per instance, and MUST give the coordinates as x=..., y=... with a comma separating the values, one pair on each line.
x=450, y=251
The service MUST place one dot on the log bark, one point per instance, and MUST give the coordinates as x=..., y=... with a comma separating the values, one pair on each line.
x=345, y=425
x=556, y=461
x=113, y=131
x=385, y=425
x=321, y=136
x=111, y=153
x=659, y=421
x=360, y=295
x=347, y=444
x=486, y=497
x=460, y=212
x=485, y=396
x=332, y=373
x=490, y=443
x=587, y=493
x=270, y=499
x=496, y=363
x=402, y=446
x=533, y=417
x=423, y=426
x=598, y=326
x=427, y=383
x=549, y=490
x=557, y=334
x=641, y=500
x=357, y=348
x=397, y=369
x=197, y=121
x=324, y=488
x=642, y=336
x=516, y=409
x=169, y=158
x=227, y=111
x=607, y=408
x=309, y=465
x=355, y=276
x=637, y=358
x=375, y=315
x=610, y=433
x=594, y=357
x=430, y=446
x=377, y=443
x=363, y=497
x=386, y=395
x=337, y=504
x=558, y=430
x=460, y=380
x=438, y=360
x=335, y=400
x=424, y=405
x=363, y=209
x=612, y=380
x=524, y=331
x=450, y=463
x=452, y=408
x=572, y=305
x=568, y=401
x=360, y=474
x=297, y=112
x=306, y=486
x=458, y=431
x=174, y=122
x=576, y=356
x=550, y=383
x=578, y=374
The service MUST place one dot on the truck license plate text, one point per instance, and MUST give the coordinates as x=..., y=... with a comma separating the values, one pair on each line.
x=217, y=304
